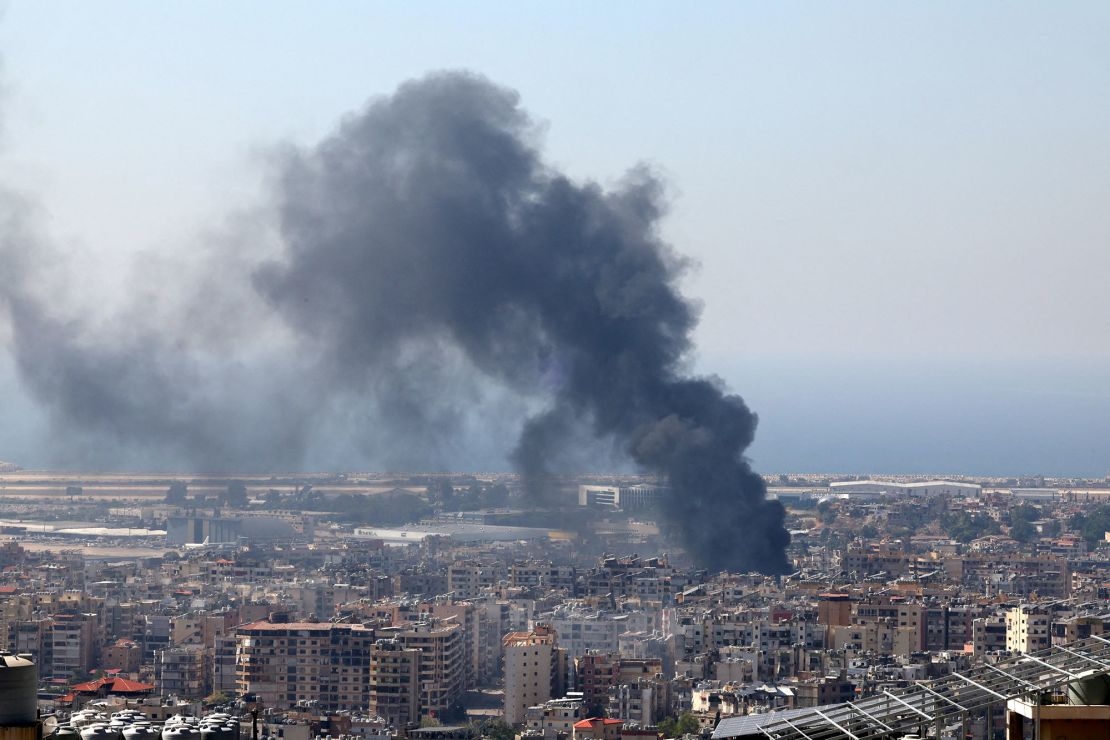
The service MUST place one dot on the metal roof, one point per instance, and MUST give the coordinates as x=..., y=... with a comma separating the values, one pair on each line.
x=945, y=700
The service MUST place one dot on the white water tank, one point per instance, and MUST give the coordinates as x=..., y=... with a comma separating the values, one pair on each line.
x=181, y=732
x=19, y=684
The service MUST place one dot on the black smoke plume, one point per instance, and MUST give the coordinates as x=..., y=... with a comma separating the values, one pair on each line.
x=427, y=253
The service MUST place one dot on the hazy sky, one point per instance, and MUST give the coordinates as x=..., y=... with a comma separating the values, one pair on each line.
x=899, y=211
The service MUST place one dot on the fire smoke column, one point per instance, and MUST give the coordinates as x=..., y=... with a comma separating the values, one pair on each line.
x=429, y=220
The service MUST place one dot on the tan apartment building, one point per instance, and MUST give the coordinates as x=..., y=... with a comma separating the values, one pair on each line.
x=442, y=671
x=395, y=683
x=1027, y=629
x=282, y=663
x=534, y=667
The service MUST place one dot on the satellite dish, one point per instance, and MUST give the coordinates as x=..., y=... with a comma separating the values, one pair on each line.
x=49, y=726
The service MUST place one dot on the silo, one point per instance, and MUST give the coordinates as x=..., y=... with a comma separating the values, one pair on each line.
x=19, y=683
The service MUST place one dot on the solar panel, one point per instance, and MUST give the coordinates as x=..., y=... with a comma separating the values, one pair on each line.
x=951, y=699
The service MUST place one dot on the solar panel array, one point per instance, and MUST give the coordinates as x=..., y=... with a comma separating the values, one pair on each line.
x=951, y=699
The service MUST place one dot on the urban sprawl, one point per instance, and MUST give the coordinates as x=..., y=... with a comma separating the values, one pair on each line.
x=446, y=607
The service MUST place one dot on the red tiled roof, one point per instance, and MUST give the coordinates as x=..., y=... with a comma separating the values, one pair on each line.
x=587, y=724
x=115, y=685
x=7, y=589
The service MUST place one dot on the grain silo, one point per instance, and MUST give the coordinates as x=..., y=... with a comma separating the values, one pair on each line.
x=19, y=681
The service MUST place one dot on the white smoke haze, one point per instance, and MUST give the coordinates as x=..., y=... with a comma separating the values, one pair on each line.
x=423, y=292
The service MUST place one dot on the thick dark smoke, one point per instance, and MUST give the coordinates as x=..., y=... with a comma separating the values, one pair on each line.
x=426, y=256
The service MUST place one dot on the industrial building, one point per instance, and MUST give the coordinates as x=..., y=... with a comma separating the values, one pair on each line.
x=924, y=489
x=626, y=498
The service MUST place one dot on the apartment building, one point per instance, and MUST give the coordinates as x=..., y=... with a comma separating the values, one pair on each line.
x=124, y=655
x=223, y=664
x=988, y=634
x=595, y=674
x=72, y=647
x=395, y=682
x=1027, y=629
x=493, y=622
x=466, y=579
x=534, y=667
x=642, y=700
x=554, y=718
x=283, y=663
x=541, y=574
x=442, y=673
x=183, y=672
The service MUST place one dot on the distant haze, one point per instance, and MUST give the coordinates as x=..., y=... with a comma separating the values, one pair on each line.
x=897, y=213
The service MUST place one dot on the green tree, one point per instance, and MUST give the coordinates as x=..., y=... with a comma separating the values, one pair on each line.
x=1021, y=522
x=1024, y=513
x=216, y=697
x=965, y=527
x=496, y=729
x=429, y=722
x=1092, y=525
x=1023, y=531
x=686, y=724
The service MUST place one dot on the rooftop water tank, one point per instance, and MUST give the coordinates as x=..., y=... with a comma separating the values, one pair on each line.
x=181, y=732
x=19, y=681
x=100, y=731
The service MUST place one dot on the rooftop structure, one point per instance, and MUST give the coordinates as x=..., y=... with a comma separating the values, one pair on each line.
x=953, y=699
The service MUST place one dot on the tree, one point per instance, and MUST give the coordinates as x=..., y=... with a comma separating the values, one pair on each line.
x=1024, y=513
x=469, y=498
x=495, y=496
x=826, y=513
x=687, y=724
x=1093, y=525
x=496, y=729
x=216, y=698
x=442, y=494
x=236, y=494
x=429, y=722
x=177, y=493
x=965, y=527
x=1023, y=531
x=1021, y=522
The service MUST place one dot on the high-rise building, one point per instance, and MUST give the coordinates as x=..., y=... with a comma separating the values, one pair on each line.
x=1027, y=629
x=282, y=663
x=534, y=670
x=183, y=672
x=71, y=644
x=395, y=682
x=442, y=672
